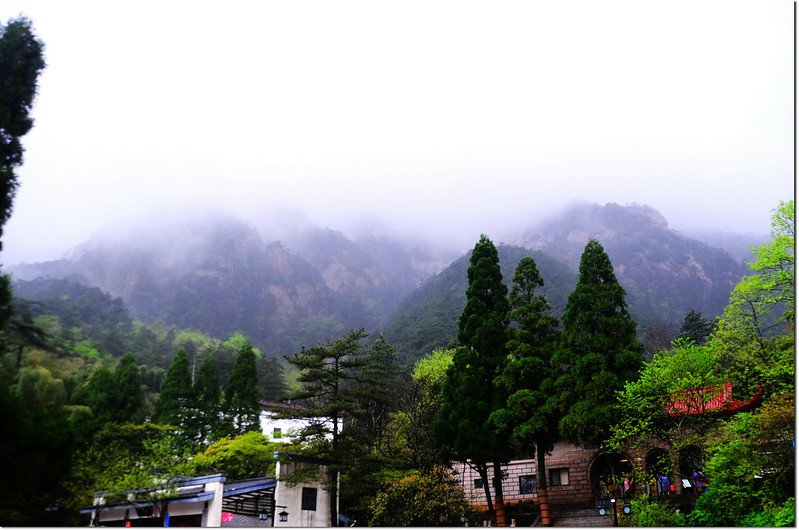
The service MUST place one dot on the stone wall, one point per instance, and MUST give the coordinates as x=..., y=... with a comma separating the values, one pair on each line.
x=575, y=460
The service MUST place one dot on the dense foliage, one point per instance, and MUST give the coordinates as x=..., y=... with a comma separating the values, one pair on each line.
x=599, y=350
x=748, y=455
x=469, y=399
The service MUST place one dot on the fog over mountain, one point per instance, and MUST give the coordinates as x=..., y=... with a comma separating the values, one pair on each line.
x=437, y=121
x=289, y=286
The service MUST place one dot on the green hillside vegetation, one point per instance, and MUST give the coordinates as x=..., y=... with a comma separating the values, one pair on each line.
x=428, y=318
x=88, y=327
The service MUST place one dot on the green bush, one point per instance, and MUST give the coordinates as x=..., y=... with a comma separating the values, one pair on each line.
x=647, y=511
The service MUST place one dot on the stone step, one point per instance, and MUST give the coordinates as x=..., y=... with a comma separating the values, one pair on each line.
x=580, y=517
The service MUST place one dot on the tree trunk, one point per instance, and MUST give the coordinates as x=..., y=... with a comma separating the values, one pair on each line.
x=482, y=470
x=543, y=494
x=500, y=519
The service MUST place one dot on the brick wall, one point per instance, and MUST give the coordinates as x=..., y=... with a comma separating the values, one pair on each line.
x=576, y=460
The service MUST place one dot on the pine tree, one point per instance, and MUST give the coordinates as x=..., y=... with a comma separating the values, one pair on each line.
x=328, y=373
x=241, y=394
x=598, y=349
x=695, y=328
x=175, y=391
x=469, y=397
x=530, y=414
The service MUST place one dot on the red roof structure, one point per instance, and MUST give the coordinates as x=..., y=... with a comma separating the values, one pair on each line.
x=710, y=399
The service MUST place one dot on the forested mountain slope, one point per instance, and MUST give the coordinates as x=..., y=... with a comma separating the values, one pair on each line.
x=428, y=318
x=221, y=276
x=664, y=274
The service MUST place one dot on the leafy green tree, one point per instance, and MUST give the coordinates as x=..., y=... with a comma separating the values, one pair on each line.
x=751, y=469
x=598, y=350
x=241, y=394
x=175, y=391
x=469, y=396
x=755, y=334
x=648, y=407
x=419, y=499
x=327, y=374
x=412, y=442
x=695, y=328
x=36, y=443
x=123, y=459
x=530, y=412
x=248, y=455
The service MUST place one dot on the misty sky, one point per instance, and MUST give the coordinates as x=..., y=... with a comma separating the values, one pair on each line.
x=449, y=118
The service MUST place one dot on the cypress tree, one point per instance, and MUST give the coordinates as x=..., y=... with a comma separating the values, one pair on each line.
x=598, y=351
x=530, y=414
x=241, y=394
x=468, y=392
x=205, y=425
x=175, y=391
x=206, y=387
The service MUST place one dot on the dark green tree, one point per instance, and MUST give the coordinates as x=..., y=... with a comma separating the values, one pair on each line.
x=21, y=62
x=36, y=444
x=376, y=389
x=175, y=391
x=205, y=423
x=206, y=389
x=271, y=381
x=469, y=396
x=99, y=394
x=530, y=415
x=598, y=350
x=327, y=375
x=241, y=394
x=695, y=328
x=129, y=395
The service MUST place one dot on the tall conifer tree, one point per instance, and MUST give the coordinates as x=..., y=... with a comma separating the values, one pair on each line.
x=599, y=349
x=469, y=397
x=530, y=414
x=175, y=391
x=241, y=394
x=206, y=419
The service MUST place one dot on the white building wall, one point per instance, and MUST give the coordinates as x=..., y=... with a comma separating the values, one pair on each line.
x=289, y=498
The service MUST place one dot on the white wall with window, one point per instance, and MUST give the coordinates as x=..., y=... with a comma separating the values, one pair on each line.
x=306, y=504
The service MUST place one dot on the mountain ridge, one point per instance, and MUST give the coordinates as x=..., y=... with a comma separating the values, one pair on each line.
x=220, y=275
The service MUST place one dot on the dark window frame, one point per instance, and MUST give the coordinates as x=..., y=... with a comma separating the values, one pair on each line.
x=309, y=497
x=556, y=474
x=527, y=485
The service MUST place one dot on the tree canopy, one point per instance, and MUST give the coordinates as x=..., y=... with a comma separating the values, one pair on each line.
x=599, y=349
x=468, y=394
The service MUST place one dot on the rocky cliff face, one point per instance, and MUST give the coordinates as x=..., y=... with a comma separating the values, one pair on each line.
x=665, y=274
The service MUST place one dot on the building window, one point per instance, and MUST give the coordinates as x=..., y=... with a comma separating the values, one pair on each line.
x=527, y=485
x=478, y=483
x=309, y=499
x=559, y=476
x=277, y=432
